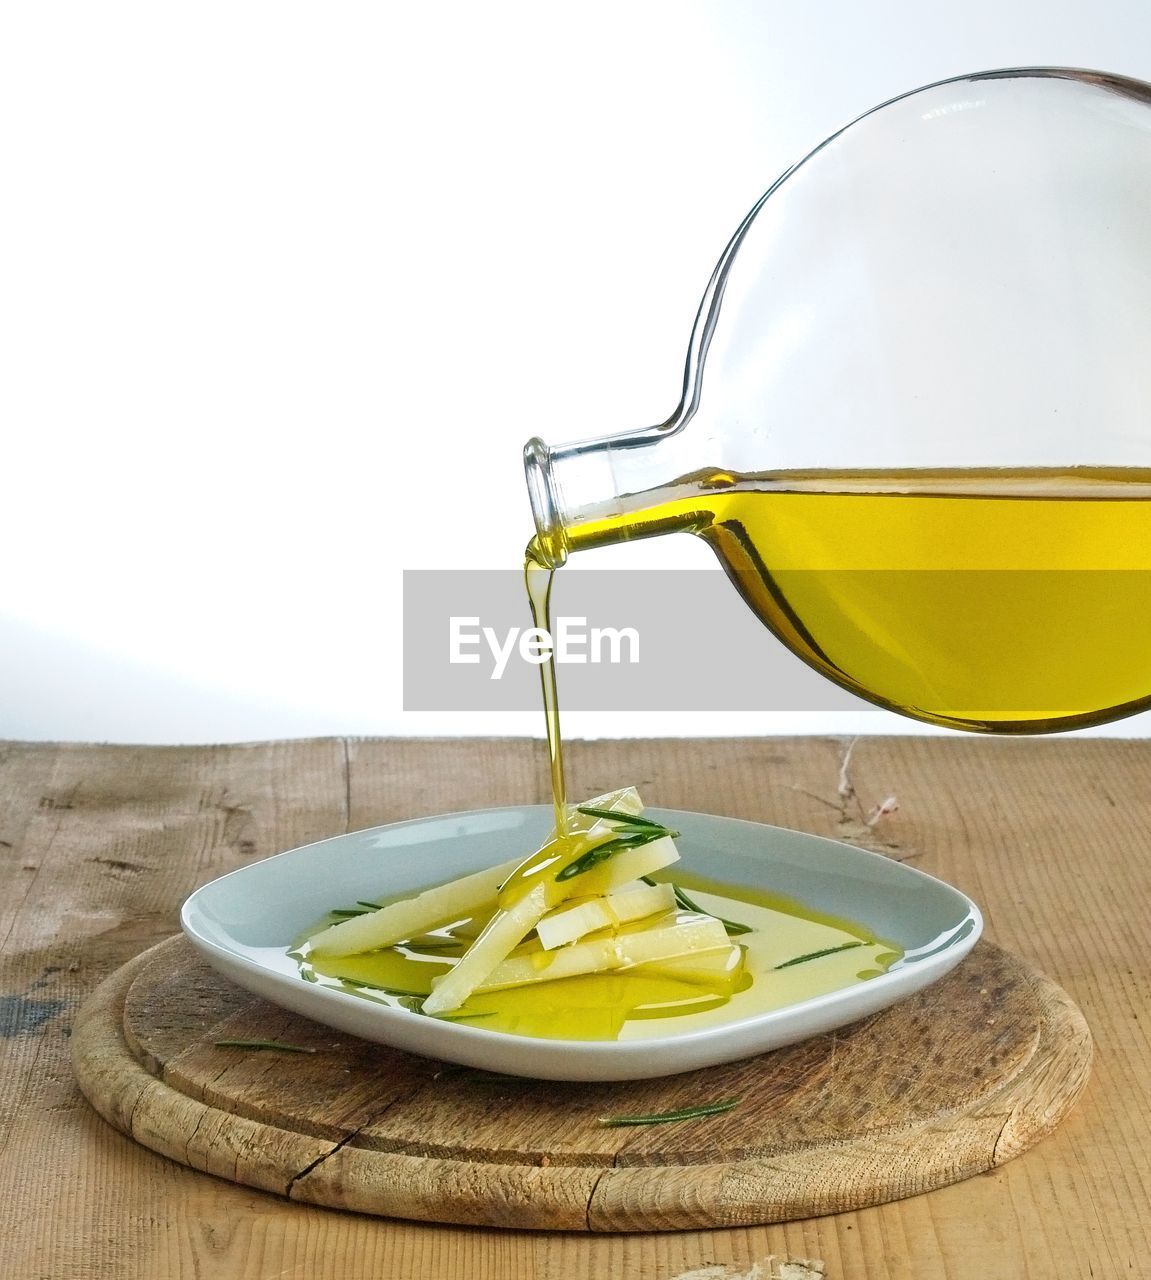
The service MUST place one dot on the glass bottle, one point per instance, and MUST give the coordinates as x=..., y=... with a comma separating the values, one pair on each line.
x=916, y=415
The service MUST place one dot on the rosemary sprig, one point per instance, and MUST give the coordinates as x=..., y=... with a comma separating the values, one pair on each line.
x=415, y=1004
x=668, y=1117
x=632, y=833
x=264, y=1044
x=816, y=955
x=476, y=1075
x=610, y=815
x=361, y=908
x=733, y=927
x=379, y=986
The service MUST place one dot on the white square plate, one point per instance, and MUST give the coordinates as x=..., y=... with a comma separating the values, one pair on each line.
x=244, y=923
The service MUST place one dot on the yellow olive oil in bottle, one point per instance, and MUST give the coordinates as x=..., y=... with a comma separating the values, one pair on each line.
x=1005, y=601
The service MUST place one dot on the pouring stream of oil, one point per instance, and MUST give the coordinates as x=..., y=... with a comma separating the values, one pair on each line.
x=538, y=580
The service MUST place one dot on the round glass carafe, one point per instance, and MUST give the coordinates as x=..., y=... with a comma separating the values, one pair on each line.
x=915, y=414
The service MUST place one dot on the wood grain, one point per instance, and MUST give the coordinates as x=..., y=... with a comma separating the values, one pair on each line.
x=950, y=1083
x=1049, y=836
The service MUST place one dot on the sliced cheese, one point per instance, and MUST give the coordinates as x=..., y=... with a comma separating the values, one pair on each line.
x=632, y=901
x=681, y=936
x=469, y=896
x=513, y=922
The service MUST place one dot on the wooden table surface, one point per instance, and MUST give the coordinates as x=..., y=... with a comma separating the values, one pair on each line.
x=100, y=844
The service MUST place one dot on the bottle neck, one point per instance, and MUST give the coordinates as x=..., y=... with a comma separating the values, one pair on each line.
x=593, y=479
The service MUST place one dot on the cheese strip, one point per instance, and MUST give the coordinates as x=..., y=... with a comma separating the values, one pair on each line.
x=631, y=901
x=631, y=864
x=722, y=966
x=468, y=896
x=682, y=936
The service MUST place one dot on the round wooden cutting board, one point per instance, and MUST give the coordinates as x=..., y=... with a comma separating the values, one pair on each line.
x=951, y=1082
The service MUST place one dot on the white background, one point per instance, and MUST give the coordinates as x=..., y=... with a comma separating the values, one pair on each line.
x=284, y=288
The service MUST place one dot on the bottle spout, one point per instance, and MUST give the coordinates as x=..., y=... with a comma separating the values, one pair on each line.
x=551, y=544
x=590, y=480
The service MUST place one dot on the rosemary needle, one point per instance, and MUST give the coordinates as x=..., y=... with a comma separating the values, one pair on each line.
x=733, y=927
x=362, y=908
x=668, y=1117
x=263, y=1044
x=620, y=819
x=816, y=955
